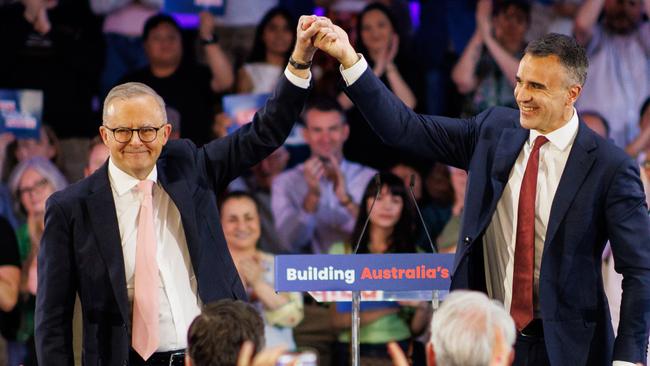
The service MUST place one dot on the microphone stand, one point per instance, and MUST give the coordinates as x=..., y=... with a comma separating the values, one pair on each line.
x=435, y=296
x=356, y=295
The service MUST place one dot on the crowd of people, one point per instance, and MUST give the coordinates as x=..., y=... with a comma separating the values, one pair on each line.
x=451, y=58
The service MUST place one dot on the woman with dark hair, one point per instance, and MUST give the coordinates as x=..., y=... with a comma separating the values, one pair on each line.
x=240, y=221
x=379, y=42
x=274, y=38
x=390, y=230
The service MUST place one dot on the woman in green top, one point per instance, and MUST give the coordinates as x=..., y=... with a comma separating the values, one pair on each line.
x=391, y=229
x=31, y=183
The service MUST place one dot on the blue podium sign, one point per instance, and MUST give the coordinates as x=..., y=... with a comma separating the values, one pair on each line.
x=357, y=272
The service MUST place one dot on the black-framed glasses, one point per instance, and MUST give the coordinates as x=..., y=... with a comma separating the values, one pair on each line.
x=123, y=134
x=37, y=187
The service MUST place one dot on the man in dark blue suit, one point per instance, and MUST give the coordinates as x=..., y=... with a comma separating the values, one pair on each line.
x=147, y=223
x=544, y=195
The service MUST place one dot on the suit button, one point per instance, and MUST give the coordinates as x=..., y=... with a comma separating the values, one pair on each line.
x=467, y=240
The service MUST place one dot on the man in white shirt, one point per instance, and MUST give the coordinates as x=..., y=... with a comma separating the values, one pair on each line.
x=544, y=194
x=139, y=239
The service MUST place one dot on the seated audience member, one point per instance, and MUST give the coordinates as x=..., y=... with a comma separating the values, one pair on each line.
x=618, y=49
x=98, y=153
x=449, y=236
x=240, y=221
x=487, y=67
x=9, y=286
x=185, y=86
x=315, y=203
x=390, y=230
x=237, y=25
x=467, y=329
x=19, y=150
x=387, y=54
x=596, y=122
x=217, y=334
x=430, y=214
x=274, y=37
x=258, y=183
x=31, y=183
x=122, y=28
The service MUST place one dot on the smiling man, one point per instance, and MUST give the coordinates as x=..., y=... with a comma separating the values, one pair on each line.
x=315, y=204
x=139, y=240
x=544, y=194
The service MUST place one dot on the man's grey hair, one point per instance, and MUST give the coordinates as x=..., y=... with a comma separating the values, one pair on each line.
x=131, y=90
x=463, y=329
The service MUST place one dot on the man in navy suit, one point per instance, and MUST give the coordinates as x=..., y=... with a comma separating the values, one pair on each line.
x=93, y=228
x=544, y=195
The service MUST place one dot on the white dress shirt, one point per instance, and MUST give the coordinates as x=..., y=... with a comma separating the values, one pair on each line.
x=500, y=236
x=179, y=301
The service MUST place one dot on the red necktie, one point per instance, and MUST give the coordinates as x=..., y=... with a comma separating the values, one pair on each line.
x=521, y=308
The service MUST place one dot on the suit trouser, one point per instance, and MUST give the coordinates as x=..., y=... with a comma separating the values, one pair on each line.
x=530, y=349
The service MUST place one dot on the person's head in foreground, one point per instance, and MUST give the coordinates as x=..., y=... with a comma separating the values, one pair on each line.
x=549, y=81
x=217, y=334
x=469, y=329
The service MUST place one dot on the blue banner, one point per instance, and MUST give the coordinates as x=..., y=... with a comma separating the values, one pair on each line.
x=21, y=111
x=356, y=272
x=216, y=7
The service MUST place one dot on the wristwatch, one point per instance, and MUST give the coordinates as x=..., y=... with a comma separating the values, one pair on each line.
x=213, y=39
x=299, y=65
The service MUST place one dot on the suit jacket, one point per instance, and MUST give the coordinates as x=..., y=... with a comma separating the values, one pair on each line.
x=81, y=249
x=600, y=197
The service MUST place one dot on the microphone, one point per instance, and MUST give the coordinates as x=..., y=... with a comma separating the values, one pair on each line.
x=417, y=207
x=365, y=224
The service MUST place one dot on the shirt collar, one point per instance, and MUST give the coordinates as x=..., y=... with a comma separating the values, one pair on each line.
x=122, y=182
x=561, y=138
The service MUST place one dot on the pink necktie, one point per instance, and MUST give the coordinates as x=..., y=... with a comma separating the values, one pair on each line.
x=521, y=308
x=145, y=300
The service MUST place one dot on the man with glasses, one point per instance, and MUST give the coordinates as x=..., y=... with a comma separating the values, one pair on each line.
x=139, y=239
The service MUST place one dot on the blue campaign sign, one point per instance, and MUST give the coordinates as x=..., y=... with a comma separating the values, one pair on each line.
x=21, y=111
x=356, y=272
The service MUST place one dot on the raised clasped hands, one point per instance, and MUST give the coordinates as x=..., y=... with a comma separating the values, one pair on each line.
x=316, y=32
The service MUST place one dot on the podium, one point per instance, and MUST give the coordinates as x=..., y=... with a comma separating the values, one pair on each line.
x=365, y=277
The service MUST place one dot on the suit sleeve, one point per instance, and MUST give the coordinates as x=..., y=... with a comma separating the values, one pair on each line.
x=447, y=140
x=629, y=231
x=251, y=143
x=56, y=290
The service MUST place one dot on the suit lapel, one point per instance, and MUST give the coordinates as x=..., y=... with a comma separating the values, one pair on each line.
x=577, y=166
x=101, y=210
x=505, y=155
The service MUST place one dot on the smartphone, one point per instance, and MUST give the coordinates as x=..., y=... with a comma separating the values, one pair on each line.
x=304, y=358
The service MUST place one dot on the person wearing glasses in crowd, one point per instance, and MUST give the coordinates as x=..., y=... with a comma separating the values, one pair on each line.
x=31, y=183
x=138, y=240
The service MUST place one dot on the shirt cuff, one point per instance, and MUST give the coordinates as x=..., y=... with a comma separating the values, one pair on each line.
x=296, y=80
x=354, y=72
x=623, y=363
